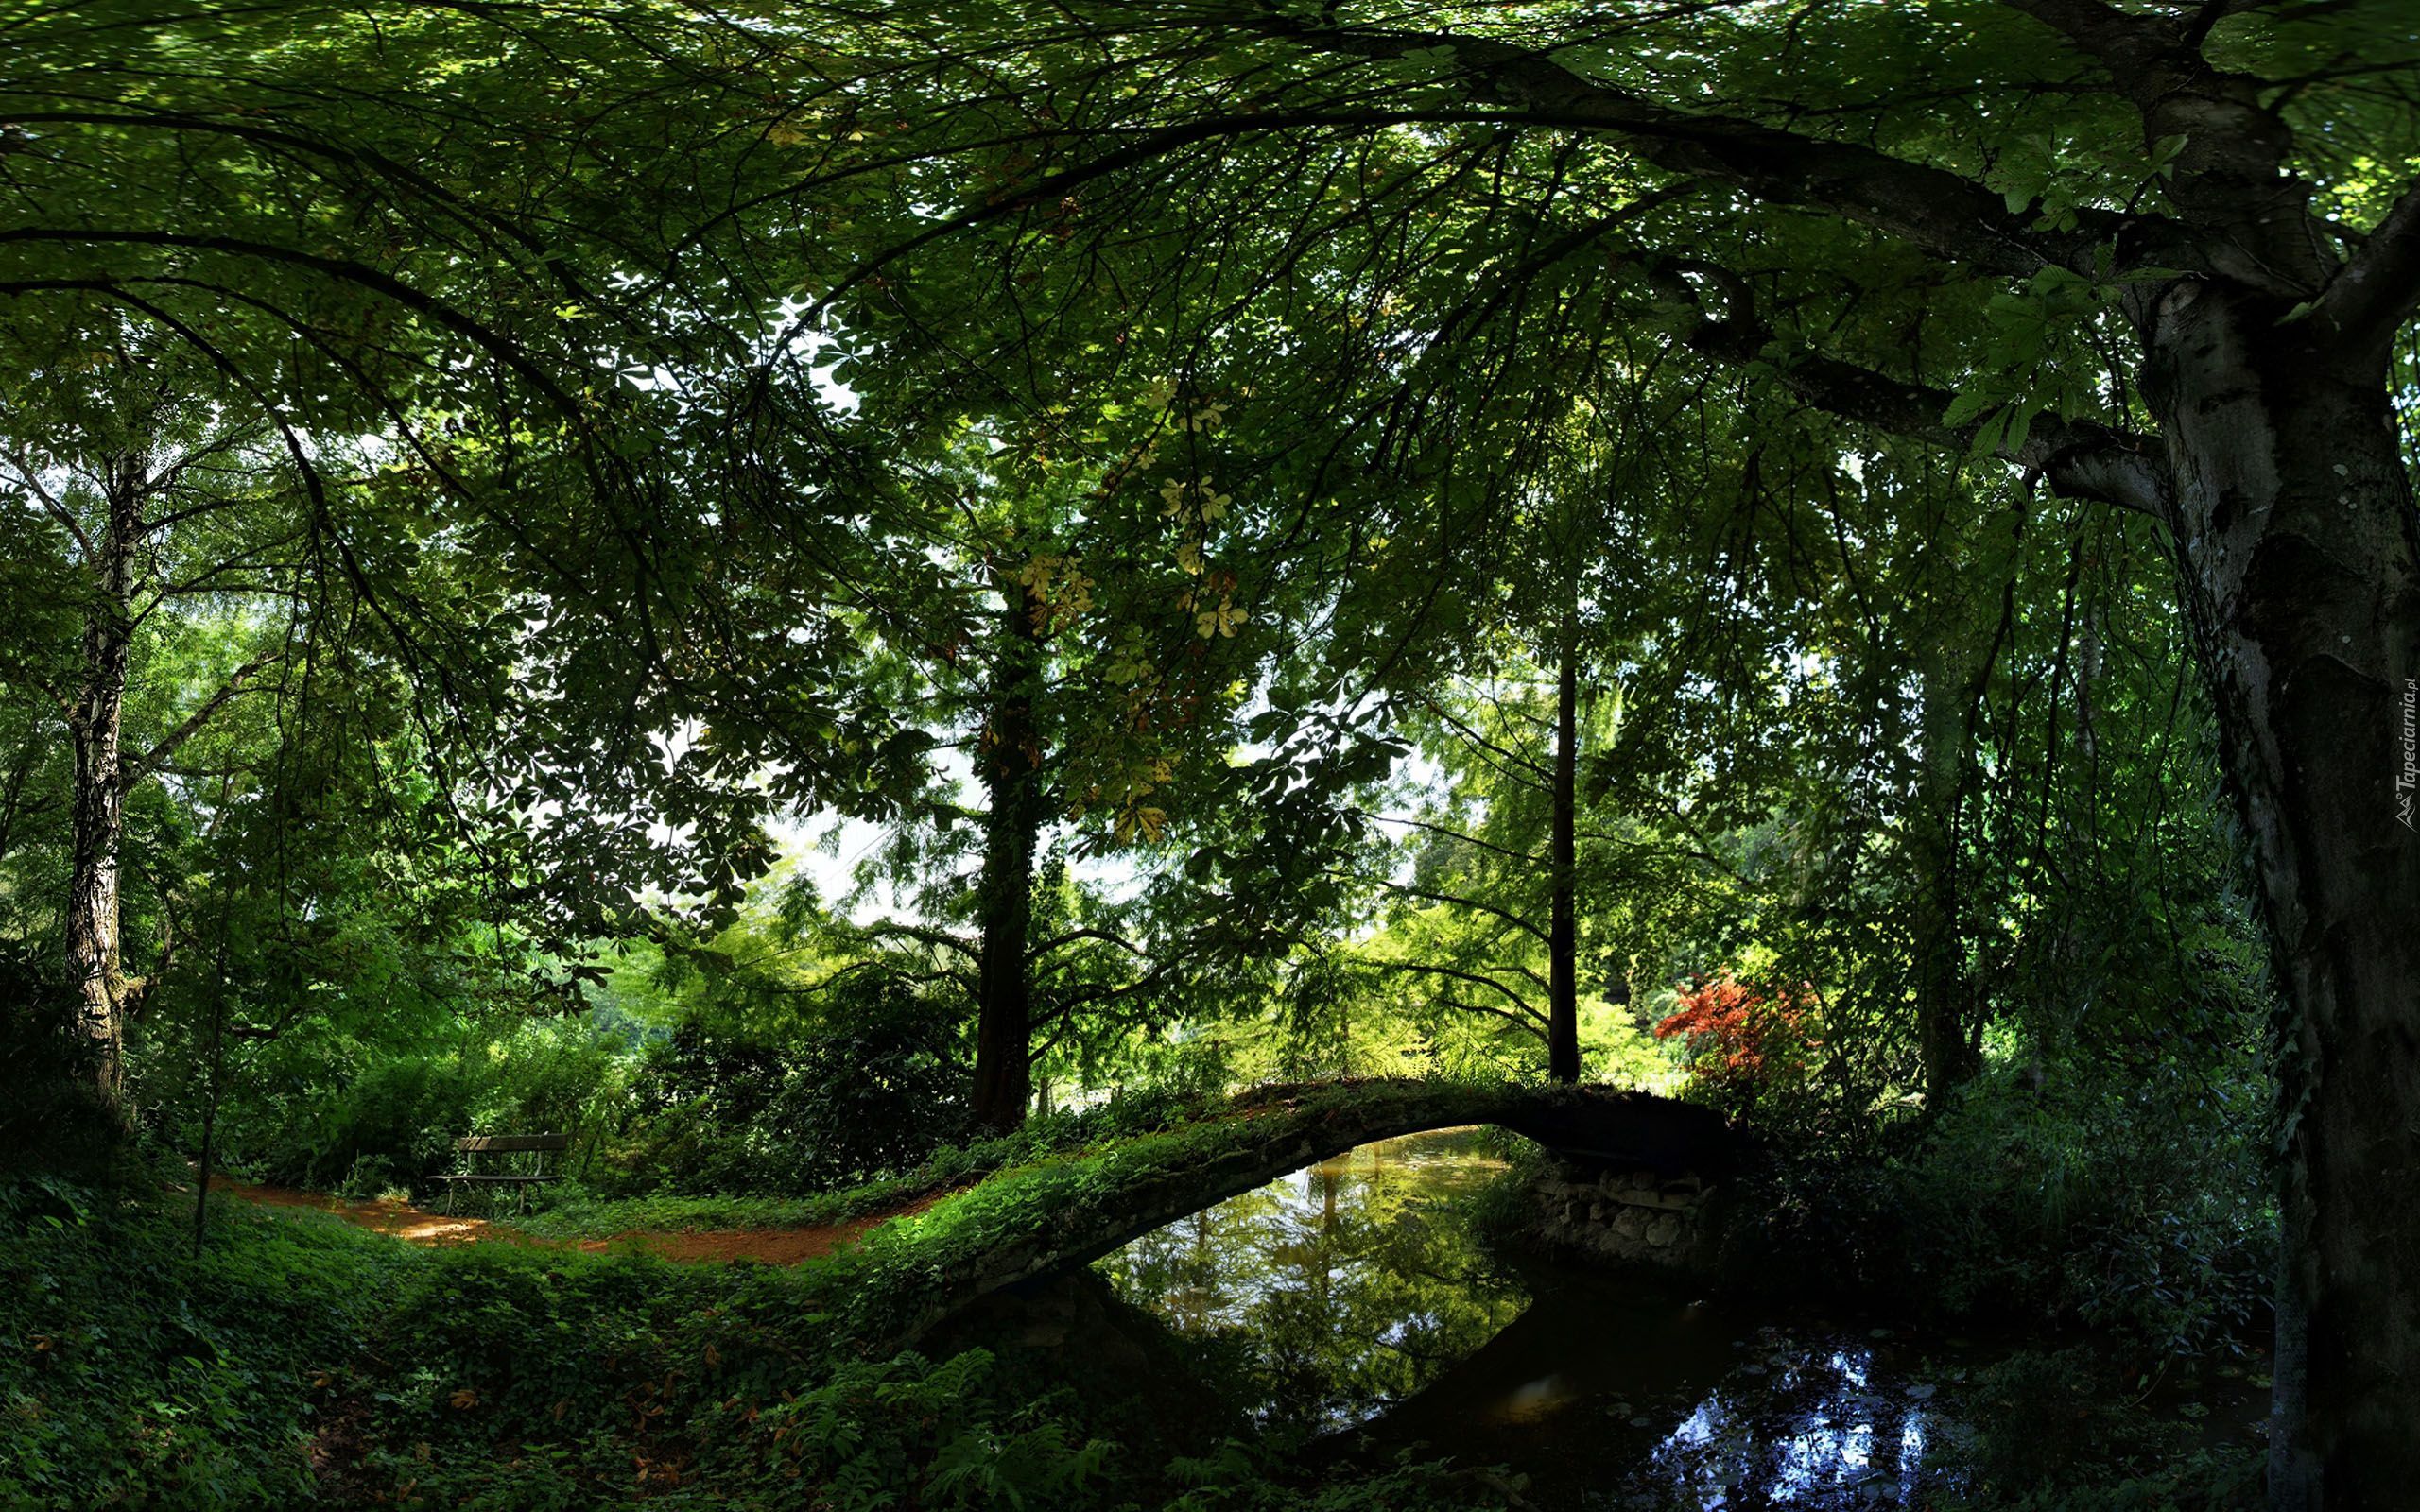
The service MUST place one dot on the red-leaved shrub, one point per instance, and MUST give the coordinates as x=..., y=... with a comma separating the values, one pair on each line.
x=1745, y=1039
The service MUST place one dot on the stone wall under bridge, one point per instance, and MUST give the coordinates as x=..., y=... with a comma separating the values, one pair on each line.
x=1625, y=1215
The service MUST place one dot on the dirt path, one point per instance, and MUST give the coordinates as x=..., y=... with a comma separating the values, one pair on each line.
x=769, y=1246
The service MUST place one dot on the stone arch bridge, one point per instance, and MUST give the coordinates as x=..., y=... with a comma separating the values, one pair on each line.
x=1632, y=1183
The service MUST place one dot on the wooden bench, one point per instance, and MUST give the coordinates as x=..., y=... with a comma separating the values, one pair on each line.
x=537, y=1147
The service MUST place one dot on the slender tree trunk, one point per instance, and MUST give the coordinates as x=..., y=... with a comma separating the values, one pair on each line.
x=1563, y=931
x=1943, y=994
x=1010, y=763
x=1955, y=668
x=97, y=818
x=2300, y=559
x=217, y=1052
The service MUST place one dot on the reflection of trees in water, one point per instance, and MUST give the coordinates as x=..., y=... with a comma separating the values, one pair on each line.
x=1329, y=1294
x=1821, y=1430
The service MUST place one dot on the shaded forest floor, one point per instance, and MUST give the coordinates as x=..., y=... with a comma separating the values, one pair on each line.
x=399, y=1220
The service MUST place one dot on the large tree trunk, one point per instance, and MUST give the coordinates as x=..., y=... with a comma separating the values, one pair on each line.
x=1562, y=934
x=1010, y=763
x=2300, y=561
x=96, y=821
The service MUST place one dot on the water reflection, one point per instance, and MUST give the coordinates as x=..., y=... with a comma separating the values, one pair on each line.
x=1353, y=1300
x=1329, y=1295
x=1804, y=1427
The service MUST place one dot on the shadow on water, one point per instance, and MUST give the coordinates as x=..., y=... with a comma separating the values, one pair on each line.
x=1353, y=1311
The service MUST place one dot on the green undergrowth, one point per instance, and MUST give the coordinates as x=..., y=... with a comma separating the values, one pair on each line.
x=2201, y=1481
x=2109, y=1202
x=2063, y=1431
x=134, y=1372
x=300, y=1362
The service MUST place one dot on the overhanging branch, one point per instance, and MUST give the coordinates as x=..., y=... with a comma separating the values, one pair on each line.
x=1406, y=890
x=939, y=938
x=2080, y=458
x=1520, y=1003
x=1071, y=936
x=237, y=683
x=2380, y=288
x=1946, y=216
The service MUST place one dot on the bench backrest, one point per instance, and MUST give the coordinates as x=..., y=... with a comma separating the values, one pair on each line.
x=511, y=1143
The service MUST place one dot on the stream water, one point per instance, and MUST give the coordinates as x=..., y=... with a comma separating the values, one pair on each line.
x=1351, y=1308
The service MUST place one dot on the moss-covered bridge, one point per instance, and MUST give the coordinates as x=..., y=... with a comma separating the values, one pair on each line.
x=1628, y=1151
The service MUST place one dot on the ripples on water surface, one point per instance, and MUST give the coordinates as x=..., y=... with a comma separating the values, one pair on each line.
x=1351, y=1300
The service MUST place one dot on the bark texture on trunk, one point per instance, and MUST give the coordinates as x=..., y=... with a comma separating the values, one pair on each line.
x=1562, y=934
x=1009, y=763
x=97, y=821
x=2299, y=556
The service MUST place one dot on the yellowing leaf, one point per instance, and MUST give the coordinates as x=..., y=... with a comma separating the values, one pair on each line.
x=1149, y=820
x=1220, y=621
